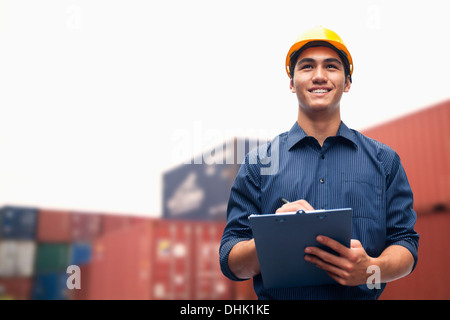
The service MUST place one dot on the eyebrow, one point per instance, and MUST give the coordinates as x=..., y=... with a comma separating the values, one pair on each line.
x=311, y=60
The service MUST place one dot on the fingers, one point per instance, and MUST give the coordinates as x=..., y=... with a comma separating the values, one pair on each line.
x=343, y=261
x=333, y=271
x=322, y=258
x=355, y=243
x=335, y=245
x=349, y=268
x=294, y=206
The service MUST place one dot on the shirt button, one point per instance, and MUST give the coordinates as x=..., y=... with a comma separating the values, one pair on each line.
x=322, y=180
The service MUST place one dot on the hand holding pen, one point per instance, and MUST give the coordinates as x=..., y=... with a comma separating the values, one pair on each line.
x=294, y=206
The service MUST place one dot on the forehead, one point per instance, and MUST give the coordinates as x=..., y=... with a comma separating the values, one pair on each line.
x=318, y=53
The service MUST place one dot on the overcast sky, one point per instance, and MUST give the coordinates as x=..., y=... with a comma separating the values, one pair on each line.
x=98, y=98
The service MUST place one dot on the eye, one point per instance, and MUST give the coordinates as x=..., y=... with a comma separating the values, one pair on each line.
x=332, y=66
x=306, y=66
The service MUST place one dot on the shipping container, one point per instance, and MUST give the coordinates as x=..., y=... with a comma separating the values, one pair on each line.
x=121, y=265
x=84, y=292
x=172, y=259
x=18, y=222
x=159, y=259
x=16, y=288
x=54, y=226
x=422, y=140
x=186, y=261
x=200, y=188
x=116, y=222
x=80, y=253
x=85, y=226
x=17, y=258
x=51, y=286
x=431, y=278
x=52, y=258
x=243, y=290
x=209, y=283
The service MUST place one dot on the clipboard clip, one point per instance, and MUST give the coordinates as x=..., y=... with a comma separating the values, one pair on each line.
x=300, y=211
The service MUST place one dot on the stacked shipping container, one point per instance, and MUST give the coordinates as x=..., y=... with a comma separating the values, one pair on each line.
x=17, y=251
x=194, y=194
x=120, y=257
x=422, y=140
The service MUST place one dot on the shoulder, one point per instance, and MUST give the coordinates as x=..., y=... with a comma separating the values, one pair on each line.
x=265, y=149
x=264, y=159
x=383, y=152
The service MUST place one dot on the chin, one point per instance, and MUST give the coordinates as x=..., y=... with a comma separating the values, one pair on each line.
x=320, y=107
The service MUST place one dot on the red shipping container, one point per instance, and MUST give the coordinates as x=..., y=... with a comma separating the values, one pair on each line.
x=84, y=292
x=86, y=226
x=210, y=283
x=172, y=260
x=16, y=288
x=138, y=219
x=158, y=259
x=54, y=226
x=113, y=222
x=243, y=290
x=422, y=140
x=121, y=265
x=431, y=278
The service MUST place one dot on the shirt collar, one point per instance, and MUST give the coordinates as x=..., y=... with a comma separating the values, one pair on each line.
x=297, y=134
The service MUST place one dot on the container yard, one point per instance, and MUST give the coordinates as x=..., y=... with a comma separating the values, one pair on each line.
x=121, y=257
x=175, y=257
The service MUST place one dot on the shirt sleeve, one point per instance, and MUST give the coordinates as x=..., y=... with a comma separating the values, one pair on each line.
x=244, y=200
x=401, y=217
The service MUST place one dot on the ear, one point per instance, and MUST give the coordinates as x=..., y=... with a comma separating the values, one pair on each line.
x=291, y=85
x=347, y=85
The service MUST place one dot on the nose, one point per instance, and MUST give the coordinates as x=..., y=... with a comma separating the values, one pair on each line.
x=319, y=75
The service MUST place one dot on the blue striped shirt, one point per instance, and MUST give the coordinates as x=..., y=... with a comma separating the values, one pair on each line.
x=349, y=170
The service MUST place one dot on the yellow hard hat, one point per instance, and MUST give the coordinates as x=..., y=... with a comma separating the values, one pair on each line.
x=319, y=34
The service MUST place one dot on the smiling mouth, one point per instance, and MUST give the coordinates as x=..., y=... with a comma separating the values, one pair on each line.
x=320, y=91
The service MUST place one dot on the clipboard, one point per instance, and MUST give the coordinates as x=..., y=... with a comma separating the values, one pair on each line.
x=281, y=239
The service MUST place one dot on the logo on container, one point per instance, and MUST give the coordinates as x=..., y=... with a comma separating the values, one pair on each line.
x=188, y=196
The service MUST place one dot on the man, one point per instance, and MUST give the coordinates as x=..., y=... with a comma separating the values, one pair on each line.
x=322, y=164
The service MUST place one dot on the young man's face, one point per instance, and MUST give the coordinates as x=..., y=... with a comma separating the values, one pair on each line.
x=319, y=80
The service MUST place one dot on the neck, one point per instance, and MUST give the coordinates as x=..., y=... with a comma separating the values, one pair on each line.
x=319, y=125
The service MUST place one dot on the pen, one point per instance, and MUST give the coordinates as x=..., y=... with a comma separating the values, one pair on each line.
x=284, y=200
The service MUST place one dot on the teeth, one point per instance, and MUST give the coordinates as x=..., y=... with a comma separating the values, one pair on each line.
x=320, y=91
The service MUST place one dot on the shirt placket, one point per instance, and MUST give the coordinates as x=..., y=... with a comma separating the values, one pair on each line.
x=322, y=181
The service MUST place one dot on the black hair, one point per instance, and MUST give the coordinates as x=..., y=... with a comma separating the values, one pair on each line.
x=341, y=53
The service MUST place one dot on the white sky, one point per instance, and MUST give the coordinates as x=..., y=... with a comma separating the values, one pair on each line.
x=99, y=97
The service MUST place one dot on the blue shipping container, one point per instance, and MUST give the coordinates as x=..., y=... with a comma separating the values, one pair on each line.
x=200, y=188
x=18, y=222
x=81, y=253
x=50, y=286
